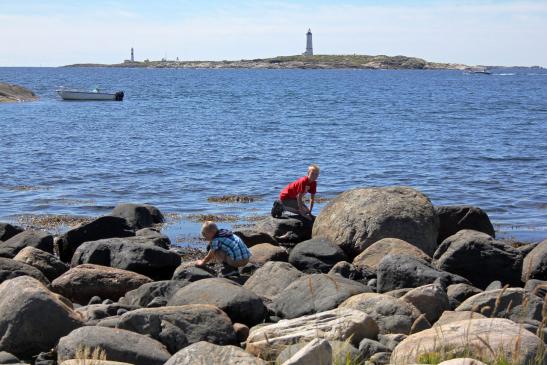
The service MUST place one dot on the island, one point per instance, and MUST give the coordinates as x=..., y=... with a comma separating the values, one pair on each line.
x=14, y=93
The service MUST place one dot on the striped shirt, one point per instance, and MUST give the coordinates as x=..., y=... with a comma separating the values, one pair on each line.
x=232, y=245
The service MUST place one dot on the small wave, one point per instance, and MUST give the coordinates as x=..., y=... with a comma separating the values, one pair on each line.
x=509, y=158
x=505, y=74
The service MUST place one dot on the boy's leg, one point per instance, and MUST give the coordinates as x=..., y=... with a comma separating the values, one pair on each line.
x=277, y=209
x=291, y=205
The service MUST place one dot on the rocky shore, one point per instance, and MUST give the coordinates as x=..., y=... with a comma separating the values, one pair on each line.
x=299, y=62
x=13, y=93
x=381, y=277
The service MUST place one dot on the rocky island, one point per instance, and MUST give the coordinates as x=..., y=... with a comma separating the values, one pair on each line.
x=299, y=62
x=13, y=93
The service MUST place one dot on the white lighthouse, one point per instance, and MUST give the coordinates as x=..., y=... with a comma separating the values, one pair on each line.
x=309, y=44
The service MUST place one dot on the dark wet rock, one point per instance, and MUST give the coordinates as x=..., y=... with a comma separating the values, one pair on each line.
x=180, y=326
x=464, y=252
x=357, y=218
x=391, y=340
x=272, y=278
x=207, y=353
x=10, y=269
x=158, y=238
x=110, y=322
x=368, y=347
x=241, y=304
x=47, y=263
x=430, y=300
x=128, y=254
x=316, y=255
x=83, y=282
x=100, y=228
x=457, y=293
x=535, y=263
x=242, y=332
x=91, y=314
x=188, y=271
x=293, y=229
x=7, y=231
x=117, y=344
x=264, y=252
x=251, y=237
x=397, y=272
x=454, y=218
x=147, y=293
x=29, y=238
x=138, y=215
x=348, y=271
x=315, y=293
x=32, y=318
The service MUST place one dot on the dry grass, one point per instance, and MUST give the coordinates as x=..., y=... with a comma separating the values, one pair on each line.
x=89, y=356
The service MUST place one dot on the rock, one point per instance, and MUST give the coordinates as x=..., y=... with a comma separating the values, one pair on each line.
x=180, y=326
x=348, y=271
x=342, y=352
x=93, y=362
x=536, y=287
x=188, y=271
x=159, y=239
x=296, y=228
x=380, y=358
x=398, y=272
x=100, y=228
x=83, y=282
x=47, y=263
x=92, y=314
x=398, y=293
x=487, y=337
x=264, y=252
x=452, y=316
x=15, y=93
x=7, y=358
x=340, y=324
x=7, y=231
x=357, y=218
x=315, y=293
x=513, y=303
x=110, y=322
x=32, y=319
x=242, y=332
x=127, y=254
x=370, y=258
x=241, y=304
x=207, y=353
x=251, y=238
x=117, y=344
x=463, y=252
x=10, y=269
x=391, y=314
x=430, y=300
x=391, y=340
x=95, y=300
x=29, y=238
x=457, y=293
x=317, y=351
x=316, y=256
x=535, y=263
x=495, y=285
x=453, y=219
x=146, y=293
x=138, y=215
x=272, y=278
x=369, y=347
x=462, y=361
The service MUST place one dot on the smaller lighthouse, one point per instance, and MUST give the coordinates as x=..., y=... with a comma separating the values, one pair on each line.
x=132, y=55
x=309, y=44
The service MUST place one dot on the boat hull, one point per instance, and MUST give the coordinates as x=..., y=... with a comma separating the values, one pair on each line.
x=82, y=95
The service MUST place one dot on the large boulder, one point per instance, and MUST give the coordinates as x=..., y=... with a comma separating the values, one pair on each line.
x=357, y=218
x=47, y=263
x=188, y=271
x=293, y=229
x=102, y=227
x=117, y=345
x=10, y=269
x=272, y=278
x=488, y=337
x=32, y=318
x=138, y=215
x=83, y=282
x=29, y=238
x=155, y=236
x=466, y=250
x=343, y=352
x=251, y=237
x=264, y=252
x=535, y=263
x=392, y=315
x=370, y=258
x=315, y=293
x=341, y=324
x=129, y=254
x=514, y=303
x=317, y=255
x=454, y=218
x=430, y=299
x=180, y=326
x=7, y=231
x=207, y=353
x=241, y=304
x=399, y=271
x=457, y=293
x=317, y=351
x=453, y=316
x=157, y=291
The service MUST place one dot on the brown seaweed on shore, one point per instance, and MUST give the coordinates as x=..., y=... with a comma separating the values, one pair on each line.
x=25, y=187
x=51, y=222
x=234, y=198
x=199, y=218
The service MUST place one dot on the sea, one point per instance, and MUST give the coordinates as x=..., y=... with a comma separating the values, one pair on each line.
x=182, y=137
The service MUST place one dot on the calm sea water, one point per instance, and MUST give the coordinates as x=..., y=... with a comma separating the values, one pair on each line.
x=181, y=136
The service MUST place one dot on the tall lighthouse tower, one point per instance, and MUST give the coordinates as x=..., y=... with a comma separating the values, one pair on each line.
x=309, y=44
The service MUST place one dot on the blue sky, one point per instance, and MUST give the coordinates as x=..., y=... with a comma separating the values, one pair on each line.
x=55, y=32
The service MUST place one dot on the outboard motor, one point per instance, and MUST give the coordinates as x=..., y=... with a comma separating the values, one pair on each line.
x=119, y=96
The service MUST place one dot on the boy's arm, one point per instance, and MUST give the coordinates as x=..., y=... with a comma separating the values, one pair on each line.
x=301, y=205
x=312, y=201
x=206, y=259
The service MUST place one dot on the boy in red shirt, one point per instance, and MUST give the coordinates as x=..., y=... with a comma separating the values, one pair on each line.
x=292, y=197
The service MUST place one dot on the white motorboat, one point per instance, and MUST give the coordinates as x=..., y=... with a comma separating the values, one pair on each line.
x=96, y=94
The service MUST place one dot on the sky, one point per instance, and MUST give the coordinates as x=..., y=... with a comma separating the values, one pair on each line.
x=59, y=32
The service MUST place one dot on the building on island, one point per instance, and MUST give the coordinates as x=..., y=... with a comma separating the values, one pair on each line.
x=309, y=45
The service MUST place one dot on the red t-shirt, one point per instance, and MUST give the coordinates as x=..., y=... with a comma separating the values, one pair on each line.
x=302, y=185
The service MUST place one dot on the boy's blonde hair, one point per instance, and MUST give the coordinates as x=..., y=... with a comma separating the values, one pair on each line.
x=208, y=226
x=314, y=167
